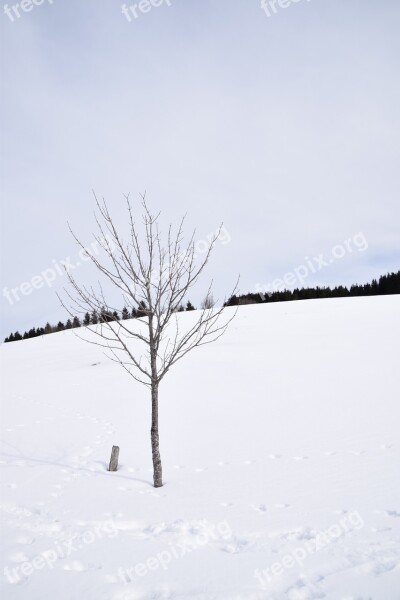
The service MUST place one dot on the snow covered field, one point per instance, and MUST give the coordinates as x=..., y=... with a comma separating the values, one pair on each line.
x=281, y=453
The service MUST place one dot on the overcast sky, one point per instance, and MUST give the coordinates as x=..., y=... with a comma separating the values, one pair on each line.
x=285, y=127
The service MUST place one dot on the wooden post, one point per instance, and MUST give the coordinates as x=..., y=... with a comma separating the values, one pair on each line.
x=114, y=459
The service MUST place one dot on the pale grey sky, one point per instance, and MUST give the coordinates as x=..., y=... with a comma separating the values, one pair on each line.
x=286, y=128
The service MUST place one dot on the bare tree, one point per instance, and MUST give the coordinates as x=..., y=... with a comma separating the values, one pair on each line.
x=208, y=301
x=154, y=276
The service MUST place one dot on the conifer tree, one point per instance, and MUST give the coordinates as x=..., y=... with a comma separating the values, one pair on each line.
x=142, y=310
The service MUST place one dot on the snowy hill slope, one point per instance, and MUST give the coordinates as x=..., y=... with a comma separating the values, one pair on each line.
x=280, y=447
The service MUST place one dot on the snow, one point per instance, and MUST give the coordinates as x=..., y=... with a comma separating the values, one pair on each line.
x=280, y=451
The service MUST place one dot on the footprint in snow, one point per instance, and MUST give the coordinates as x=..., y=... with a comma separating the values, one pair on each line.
x=221, y=463
x=304, y=590
x=226, y=504
x=381, y=566
x=393, y=513
x=304, y=533
x=274, y=456
x=248, y=462
x=201, y=469
x=330, y=453
x=300, y=458
x=235, y=546
x=259, y=507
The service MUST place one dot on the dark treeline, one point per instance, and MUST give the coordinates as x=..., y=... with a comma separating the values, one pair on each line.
x=94, y=318
x=387, y=284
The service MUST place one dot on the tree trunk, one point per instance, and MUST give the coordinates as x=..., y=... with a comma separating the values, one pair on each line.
x=155, y=445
